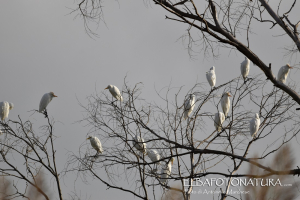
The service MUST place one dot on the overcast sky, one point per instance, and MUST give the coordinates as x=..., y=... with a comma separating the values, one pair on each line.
x=44, y=48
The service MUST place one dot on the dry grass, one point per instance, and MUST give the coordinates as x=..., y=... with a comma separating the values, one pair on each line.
x=36, y=193
x=5, y=189
x=8, y=191
x=282, y=161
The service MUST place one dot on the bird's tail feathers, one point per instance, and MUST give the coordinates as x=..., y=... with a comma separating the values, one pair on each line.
x=185, y=115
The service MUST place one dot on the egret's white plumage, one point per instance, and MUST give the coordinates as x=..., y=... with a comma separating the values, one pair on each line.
x=4, y=109
x=166, y=171
x=115, y=92
x=254, y=125
x=211, y=77
x=225, y=103
x=283, y=73
x=245, y=68
x=46, y=100
x=96, y=144
x=219, y=119
x=153, y=155
x=139, y=143
x=189, y=105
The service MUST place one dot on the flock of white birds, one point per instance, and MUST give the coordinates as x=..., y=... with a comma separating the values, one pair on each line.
x=225, y=101
x=189, y=104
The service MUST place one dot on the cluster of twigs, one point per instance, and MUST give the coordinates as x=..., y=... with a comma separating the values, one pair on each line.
x=24, y=154
x=199, y=151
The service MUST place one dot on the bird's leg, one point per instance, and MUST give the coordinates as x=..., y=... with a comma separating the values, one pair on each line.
x=4, y=123
x=155, y=170
x=96, y=155
x=141, y=155
x=45, y=113
x=92, y=163
x=113, y=102
x=248, y=79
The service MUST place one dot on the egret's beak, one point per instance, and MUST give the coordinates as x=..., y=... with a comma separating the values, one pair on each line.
x=172, y=161
x=229, y=95
x=106, y=88
x=54, y=95
x=290, y=67
x=88, y=138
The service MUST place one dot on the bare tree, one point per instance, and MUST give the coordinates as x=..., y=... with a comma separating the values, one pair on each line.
x=211, y=25
x=221, y=24
x=198, y=149
x=20, y=142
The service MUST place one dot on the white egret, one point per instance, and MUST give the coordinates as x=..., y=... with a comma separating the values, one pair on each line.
x=139, y=143
x=254, y=125
x=219, y=119
x=189, y=105
x=166, y=171
x=115, y=92
x=4, y=109
x=211, y=77
x=45, y=101
x=283, y=73
x=225, y=103
x=96, y=144
x=245, y=68
x=153, y=155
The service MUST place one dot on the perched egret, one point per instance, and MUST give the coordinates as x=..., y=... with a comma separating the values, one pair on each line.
x=139, y=143
x=115, y=92
x=283, y=73
x=211, y=77
x=166, y=171
x=254, y=125
x=219, y=119
x=45, y=101
x=245, y=68
x=189, y=105
x=225, y=103
x=153, y=155
x=4, y=109
x=1, y=132
x=96, y=144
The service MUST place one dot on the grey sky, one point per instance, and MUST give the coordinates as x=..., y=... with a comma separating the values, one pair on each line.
x=44, y=49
